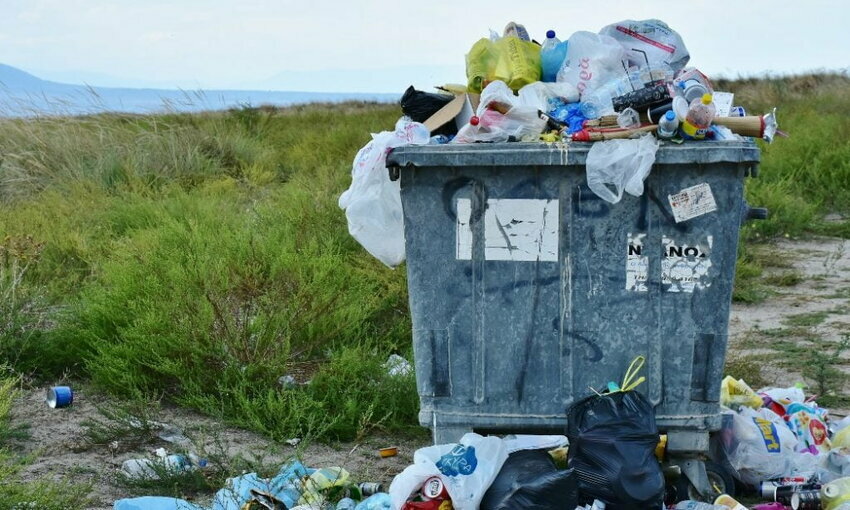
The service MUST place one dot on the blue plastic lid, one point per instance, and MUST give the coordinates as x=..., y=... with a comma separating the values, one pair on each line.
x=550, y=34
x=670, y=115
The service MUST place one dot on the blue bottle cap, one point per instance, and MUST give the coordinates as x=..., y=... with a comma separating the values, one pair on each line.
x=550, y=34
x=670, y=115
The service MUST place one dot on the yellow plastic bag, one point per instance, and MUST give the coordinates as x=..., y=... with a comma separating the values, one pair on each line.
x=735, y=392
x=480, y=65
x=511, y=60
x=518, y=62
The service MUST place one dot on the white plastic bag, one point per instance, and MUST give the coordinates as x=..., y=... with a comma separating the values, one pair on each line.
x=592, y=60
x=763, y=448
x=662, y=44
x=373, y=202
x=521, y=122
x=623, y=164
x=537, y=95
x=467, y=469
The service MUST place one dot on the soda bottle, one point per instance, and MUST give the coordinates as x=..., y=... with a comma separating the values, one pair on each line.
x=668, y=125
x=552, y=55
x=700, y=114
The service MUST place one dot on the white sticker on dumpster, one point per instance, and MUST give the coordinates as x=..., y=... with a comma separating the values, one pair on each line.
x=463, y=250
x=685, y=267
x=637, y=264
x=692, y=202
x=514, y=229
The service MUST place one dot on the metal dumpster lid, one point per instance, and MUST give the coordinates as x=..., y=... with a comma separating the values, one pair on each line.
x=540, y=154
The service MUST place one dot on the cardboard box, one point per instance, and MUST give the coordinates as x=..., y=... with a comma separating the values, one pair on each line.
x=459, y=110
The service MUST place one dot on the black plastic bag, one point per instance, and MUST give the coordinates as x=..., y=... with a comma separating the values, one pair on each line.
x=529, y=480
x=612, y=450
x=419, y=106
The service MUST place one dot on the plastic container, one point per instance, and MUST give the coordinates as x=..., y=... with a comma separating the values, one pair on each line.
x=729, y=501
x=698, y=120
x=668, y=125
x=552, y=55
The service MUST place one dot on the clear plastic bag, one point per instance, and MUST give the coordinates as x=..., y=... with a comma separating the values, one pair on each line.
x=653, y=38
x=373, y=202
x=592, y=61
x=519, y=122
x=762, y=447
x=467, y=469
x=623, y=164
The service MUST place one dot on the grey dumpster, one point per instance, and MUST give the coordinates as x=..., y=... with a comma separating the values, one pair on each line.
x=526, y=289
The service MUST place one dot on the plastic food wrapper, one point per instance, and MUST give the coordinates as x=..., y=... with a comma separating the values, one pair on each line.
x=373, y=202
x=592, y=60
x=518, y=122
x=612, y=444
x=810, y=430
x=467, y=469
x=623, y=164
x=529, y=480
x=660, y=43
x=762, y=447
x=735, y=393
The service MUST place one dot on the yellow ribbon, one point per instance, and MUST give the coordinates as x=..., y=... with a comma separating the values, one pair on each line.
x=628, y=383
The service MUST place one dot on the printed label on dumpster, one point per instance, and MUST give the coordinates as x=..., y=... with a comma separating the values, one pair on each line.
x=514, y=229
x=637, y=264
x=692, y=202
x=685, y=267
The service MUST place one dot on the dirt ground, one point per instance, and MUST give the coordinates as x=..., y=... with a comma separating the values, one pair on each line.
x=809, y=303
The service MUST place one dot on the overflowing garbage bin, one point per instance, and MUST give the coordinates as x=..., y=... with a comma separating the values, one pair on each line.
x=527, y=289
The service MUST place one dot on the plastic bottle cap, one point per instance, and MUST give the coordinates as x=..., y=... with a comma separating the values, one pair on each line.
x=706, y=98
x=474, y=120
x=670, y=115
x=550, y=34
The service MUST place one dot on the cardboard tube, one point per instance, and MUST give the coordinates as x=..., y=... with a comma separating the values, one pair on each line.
x=598, y=136
x=745, y=126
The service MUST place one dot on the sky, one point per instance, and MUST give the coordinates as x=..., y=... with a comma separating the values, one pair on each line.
x=380, y=45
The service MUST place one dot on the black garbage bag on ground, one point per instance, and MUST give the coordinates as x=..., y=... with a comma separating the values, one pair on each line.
x=419, y=106
x=612, y=444
x=529, y=480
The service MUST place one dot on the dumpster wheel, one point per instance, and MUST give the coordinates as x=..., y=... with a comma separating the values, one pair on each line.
x=720, y=481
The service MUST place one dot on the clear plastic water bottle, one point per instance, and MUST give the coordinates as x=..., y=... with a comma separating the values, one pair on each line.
x=668, y=125
x=698, y=505
x=700, y=114
x=552, y=55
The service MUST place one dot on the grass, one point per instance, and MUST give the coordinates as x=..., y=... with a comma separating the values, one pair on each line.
x=198, y=258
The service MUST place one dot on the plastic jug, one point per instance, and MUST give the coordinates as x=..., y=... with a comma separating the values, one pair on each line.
x=552, y=55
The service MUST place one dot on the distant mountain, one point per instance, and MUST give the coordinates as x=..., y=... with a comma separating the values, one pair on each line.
x=22, y=94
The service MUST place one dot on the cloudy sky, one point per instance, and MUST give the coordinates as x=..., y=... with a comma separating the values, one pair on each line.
x=379, y=45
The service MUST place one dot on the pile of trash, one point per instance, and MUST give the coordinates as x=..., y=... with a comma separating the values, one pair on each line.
x=295, y=487
x=626, y=87
x=778, y=433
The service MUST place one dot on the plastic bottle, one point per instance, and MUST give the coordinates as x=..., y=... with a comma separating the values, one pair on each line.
x=552, y=55
x=668, y=125
x=698, y=505
x=700, y=114
x=835, y=494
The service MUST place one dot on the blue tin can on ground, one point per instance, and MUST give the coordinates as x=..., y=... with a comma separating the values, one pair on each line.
x=59, y=397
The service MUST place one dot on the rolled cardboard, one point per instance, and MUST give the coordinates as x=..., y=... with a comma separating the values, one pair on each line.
x=745, y=126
